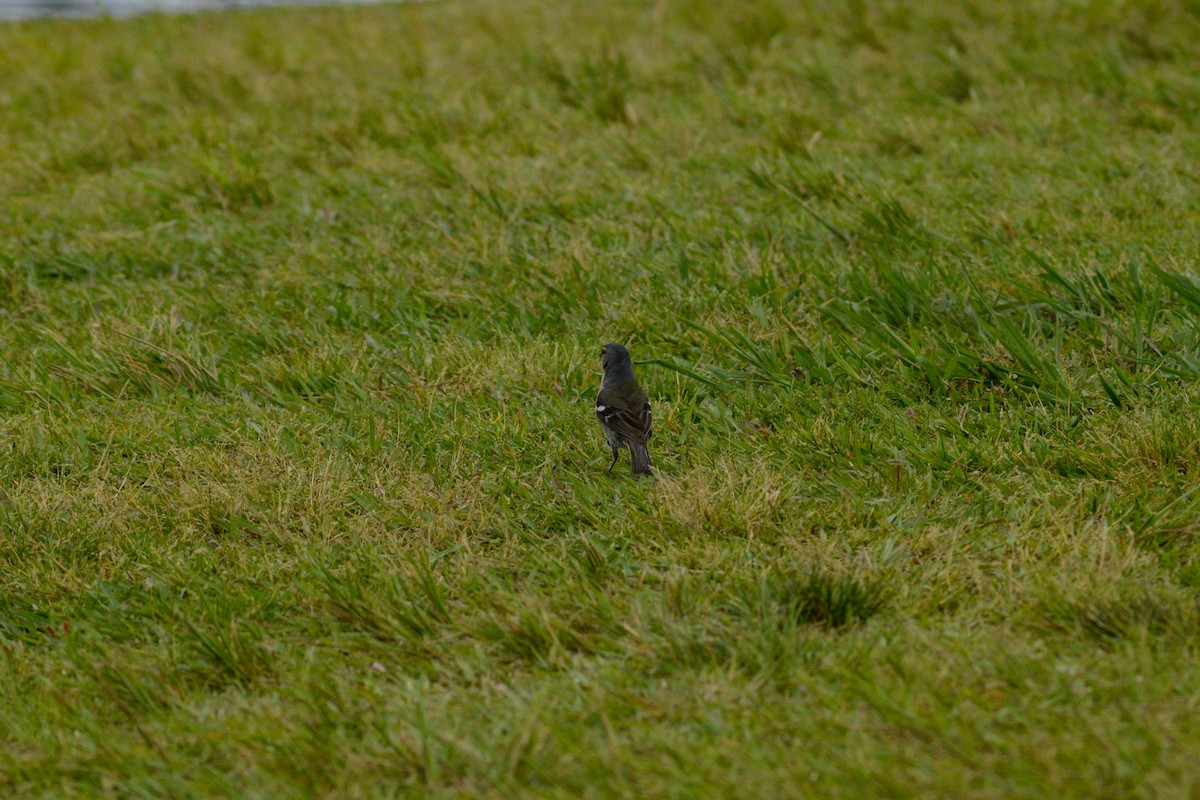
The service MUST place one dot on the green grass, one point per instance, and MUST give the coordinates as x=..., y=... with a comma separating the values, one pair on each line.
x=302, y=495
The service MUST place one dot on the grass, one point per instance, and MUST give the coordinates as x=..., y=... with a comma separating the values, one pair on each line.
x=301, y=494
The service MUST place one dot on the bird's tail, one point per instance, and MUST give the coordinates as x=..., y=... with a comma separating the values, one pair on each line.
x=640, y=457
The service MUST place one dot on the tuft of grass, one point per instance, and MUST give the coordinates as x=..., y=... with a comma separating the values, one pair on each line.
x=819, y=597
x=408, y=606
x=1110, y=619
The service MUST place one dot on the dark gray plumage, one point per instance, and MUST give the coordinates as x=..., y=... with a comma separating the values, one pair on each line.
x=623, y=410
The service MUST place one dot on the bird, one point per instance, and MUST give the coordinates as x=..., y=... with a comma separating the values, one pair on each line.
x=623, y=410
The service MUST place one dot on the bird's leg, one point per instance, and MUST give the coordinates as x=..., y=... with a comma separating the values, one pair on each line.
x=616, y=454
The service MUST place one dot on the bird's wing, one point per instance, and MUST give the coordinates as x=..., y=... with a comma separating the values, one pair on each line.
x=632, y=425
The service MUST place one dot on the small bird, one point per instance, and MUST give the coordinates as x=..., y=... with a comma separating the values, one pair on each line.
x=623, y=410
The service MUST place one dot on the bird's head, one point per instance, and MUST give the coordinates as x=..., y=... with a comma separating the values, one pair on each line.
x=614, y=356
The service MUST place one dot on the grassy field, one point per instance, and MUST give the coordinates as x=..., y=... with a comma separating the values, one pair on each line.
x=301, y=490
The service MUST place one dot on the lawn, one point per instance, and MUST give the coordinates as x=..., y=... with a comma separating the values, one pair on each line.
x=301, y=489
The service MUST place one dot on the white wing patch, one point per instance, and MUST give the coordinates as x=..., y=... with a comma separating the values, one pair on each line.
x=600, y=409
